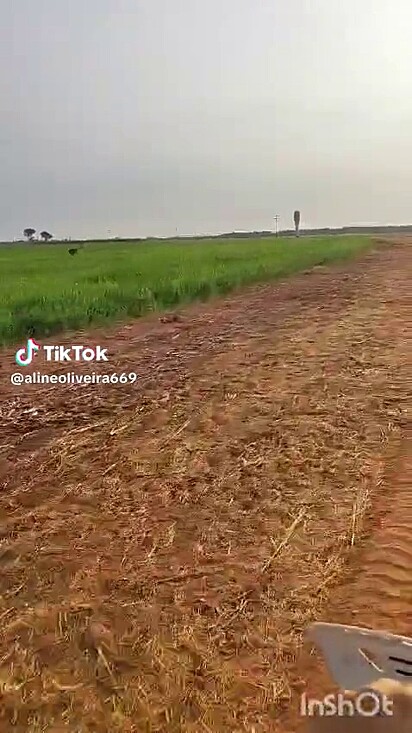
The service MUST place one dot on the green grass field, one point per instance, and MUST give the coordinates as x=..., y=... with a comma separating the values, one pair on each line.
x=43, y=290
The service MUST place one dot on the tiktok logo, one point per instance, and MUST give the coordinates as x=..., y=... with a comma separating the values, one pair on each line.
x=24, y=356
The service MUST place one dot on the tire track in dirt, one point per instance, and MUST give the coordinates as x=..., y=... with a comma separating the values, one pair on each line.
x=387, y=579
x=377, y=591
x=380, y=593
x=381, y=596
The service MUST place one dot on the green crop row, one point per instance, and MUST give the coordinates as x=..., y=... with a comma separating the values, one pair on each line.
x=44, y=290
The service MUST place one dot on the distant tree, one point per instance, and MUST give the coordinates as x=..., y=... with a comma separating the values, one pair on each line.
x=296, y=219
x=46, y=236
x=29, y=233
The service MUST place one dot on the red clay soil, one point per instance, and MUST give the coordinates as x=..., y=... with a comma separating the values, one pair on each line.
x=163, y=546
x=379, y=592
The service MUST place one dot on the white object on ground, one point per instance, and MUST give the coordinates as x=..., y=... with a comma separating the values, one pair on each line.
x=356, y=657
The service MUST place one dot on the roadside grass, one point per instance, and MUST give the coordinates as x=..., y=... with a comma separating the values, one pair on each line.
x=44, y=290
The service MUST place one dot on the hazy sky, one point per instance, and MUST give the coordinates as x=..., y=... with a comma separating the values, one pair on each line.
x=143, y=116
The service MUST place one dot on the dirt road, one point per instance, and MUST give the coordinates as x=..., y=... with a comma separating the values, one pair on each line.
x=163, y=546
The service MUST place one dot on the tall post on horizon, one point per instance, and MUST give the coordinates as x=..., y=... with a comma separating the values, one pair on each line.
x=296, y=219
x=276, y=218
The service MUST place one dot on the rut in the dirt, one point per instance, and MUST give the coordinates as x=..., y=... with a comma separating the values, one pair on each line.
x=380, y=594
x=387, y=578
x=377, y=592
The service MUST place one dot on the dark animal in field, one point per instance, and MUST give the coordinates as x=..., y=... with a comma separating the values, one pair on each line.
x=72, y=251
x=170, y=318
